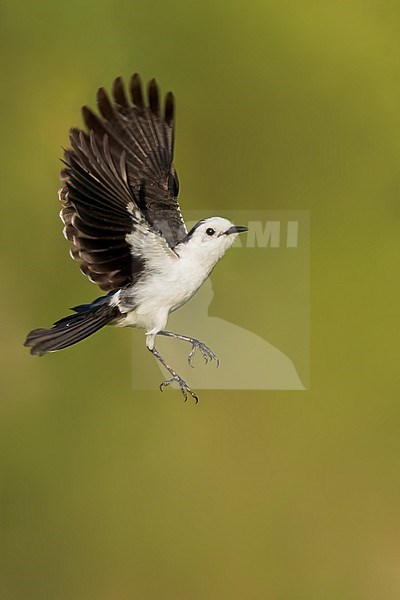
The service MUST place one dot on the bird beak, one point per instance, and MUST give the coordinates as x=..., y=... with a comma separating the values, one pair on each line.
x=236, y=229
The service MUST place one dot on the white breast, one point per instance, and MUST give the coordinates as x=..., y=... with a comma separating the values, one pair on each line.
x=170, y=278
x=168, y=284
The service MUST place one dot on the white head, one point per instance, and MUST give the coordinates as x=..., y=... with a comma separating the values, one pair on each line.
x=210, y=238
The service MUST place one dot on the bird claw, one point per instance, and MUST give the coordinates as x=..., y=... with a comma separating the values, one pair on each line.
x=205, y=351
x=185, y=389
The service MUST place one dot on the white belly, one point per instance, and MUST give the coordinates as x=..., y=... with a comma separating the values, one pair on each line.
x=160, y=293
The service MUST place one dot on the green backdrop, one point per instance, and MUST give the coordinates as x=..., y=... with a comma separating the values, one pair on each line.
x=110, y=493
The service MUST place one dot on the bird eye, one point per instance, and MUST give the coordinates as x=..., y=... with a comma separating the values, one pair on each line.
x=210, y=231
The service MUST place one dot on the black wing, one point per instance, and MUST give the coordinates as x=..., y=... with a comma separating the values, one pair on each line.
x=119, y=176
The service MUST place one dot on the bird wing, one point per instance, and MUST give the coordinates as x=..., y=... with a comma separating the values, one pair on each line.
x=120, y=186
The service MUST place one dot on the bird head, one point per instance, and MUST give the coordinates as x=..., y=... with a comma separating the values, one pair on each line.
x=212, y=237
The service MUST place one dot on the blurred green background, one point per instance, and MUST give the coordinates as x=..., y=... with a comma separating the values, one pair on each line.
x=110, y=493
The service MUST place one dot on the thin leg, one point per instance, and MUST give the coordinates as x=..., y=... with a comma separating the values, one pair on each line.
x=205, y=351
x=185, y=389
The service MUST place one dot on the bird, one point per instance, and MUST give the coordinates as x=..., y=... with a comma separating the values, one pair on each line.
x=122, y=218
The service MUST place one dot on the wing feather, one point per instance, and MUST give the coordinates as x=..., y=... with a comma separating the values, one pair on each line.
x=120, y=186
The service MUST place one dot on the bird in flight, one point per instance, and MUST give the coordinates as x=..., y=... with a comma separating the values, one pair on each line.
x=121, y=215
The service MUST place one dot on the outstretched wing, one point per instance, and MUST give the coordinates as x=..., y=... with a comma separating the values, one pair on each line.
x=119, y=181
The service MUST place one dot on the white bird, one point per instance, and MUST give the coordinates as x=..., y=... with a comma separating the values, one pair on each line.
x=122, y=217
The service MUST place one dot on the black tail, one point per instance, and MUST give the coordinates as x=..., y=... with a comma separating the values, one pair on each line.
x=71, y=329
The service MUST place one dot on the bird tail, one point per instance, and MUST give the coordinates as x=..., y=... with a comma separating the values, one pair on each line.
x=72, y=329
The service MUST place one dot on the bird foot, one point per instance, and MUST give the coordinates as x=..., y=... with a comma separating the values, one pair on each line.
x=185, y=389
x=204, y=350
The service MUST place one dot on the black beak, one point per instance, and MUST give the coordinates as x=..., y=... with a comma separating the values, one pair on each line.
x=236, y=229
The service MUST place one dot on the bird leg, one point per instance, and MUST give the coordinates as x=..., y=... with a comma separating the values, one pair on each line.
x=185, y=389
x=205, y=351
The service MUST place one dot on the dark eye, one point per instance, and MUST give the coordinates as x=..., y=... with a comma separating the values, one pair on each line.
x=210, y=231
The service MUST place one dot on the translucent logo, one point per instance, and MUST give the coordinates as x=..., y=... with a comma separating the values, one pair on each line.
x=252, y=312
